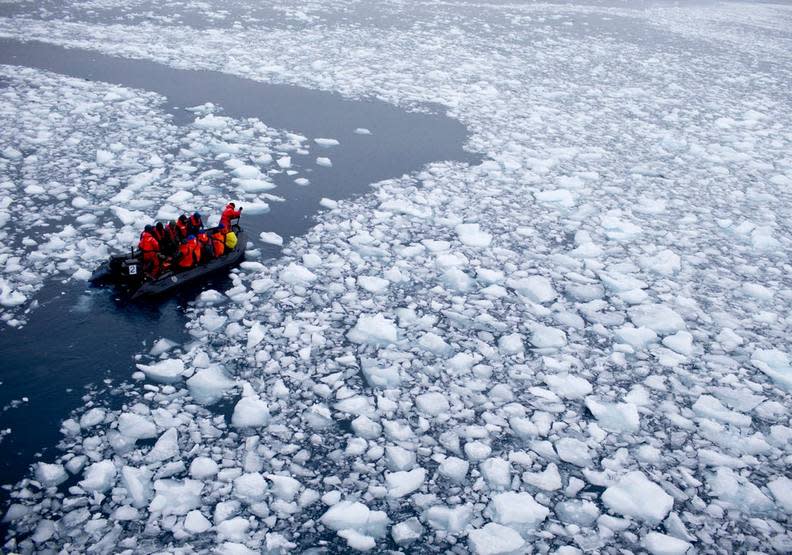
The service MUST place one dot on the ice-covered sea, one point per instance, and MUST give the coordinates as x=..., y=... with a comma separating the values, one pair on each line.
x=579, y=345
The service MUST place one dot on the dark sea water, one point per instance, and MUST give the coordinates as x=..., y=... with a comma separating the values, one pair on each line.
x=85, y=338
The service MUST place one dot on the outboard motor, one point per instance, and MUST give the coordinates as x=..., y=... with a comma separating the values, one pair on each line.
x=131, y=271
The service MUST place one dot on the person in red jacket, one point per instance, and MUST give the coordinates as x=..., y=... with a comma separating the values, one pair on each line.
x=196, y=247
x=205, y=242
x=159, y=232
x=230, y=213
x=194, y=224
x=151, y=252
x=218, y=241
x=189, y=254
x=182, y=224
x=170, y=246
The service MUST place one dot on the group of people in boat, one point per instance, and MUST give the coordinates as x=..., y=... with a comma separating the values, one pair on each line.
x=185, y=243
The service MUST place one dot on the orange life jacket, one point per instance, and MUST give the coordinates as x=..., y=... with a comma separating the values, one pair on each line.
x=148, y=244
x=182, y=225
x=218, y=242
x=194, y=224
x=196, y=249
x=187, y=256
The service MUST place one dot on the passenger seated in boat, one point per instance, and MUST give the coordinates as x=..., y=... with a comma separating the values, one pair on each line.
x=205, y=242
x=189, y=255
x=159, y=232
x=218, y=241
x=194, y=224
x=170, y=245
x=182, y=224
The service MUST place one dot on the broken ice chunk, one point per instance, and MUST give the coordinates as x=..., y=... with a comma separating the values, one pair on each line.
x=50, y=474
x=164, y=371
x=662, y=544
x=636, y=496
x=494, y=539
x=517, y=510
x=539, y=289
x=404, y=482
x=545, y=337
x=657, y=317
x=615, y=417
x=472, y=236
x=326, y=142
x=99, y=476
x=373, y=330
x=433, y=403
x=271, y=238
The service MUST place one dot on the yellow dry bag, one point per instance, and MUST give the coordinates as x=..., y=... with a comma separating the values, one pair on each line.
x=231, y=239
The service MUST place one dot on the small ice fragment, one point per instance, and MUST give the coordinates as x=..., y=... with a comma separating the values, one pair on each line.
x=657, y=317
x=539, y=289
x=294, y=274
x=615, y=417
x=271, y=238
x=250, y=412
x=324, y=162
x=519, y=510
x=407, y=531
x=373, y=330
x=373, y=284
x=50, y=474
x=632, y=494
x=454, y=469
x=511, y=344
x=545, y=337
x=433, y=403
x=196, y=523
x=404, y=482
x=165, y=371
x=472, y=236
x=328, y=203
x=99, y=476
x=494, y=539
x=661, y=544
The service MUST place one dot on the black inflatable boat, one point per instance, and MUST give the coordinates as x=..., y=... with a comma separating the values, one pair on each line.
x=126, y=271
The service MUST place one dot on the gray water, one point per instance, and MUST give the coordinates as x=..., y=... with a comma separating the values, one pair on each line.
x=86, y=339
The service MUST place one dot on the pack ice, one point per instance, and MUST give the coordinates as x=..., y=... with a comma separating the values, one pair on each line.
x=578, y=345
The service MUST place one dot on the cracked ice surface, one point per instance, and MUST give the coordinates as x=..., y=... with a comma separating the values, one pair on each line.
x=581, y=343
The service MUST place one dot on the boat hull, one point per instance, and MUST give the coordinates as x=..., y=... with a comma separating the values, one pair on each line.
x=126, y=272
x=174, y=280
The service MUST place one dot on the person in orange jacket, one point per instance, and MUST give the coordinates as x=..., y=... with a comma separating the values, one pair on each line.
x=218, y=241
x=159, y=232
x=150, y=248
x=170, y=245
x=194, y=224
x=189, y=254
x=205, y=243
x=182, y=224
x=229, y=213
